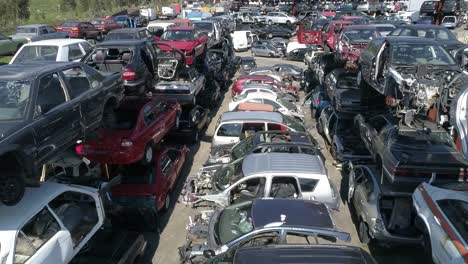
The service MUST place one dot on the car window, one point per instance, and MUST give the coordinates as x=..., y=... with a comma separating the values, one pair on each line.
x=230, y=130
x=34, y=234
x=456, y=211
x=86, y=46
x=250, y=128
x=74, y=52
x=166, y=164
x=284, y=187
x=51, y=29
x=78, y=80
x=51, y=93
x=275, y=105
x=37, y=53
x=148, y=115
x=44, y=31
x=77, y=211
x=308, y=185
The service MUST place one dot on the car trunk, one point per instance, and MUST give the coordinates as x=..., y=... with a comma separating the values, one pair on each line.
x=398, y=215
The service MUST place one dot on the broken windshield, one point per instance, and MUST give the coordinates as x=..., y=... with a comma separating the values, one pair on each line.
x=233, y=222
x=14, y=99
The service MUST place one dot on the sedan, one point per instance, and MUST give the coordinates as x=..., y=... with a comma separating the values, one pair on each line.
x=141, y=124
x=9, y=46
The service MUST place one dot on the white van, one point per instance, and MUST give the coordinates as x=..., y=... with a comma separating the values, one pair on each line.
x=232, y=126
x=243, y=39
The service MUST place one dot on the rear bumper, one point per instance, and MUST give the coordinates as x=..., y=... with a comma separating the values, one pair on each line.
x=116, y=156
x=133, y=86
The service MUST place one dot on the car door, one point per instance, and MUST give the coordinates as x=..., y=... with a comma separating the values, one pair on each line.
x=167, y=175
x=246, y=189
x=53, y=117
x=75, y=53
x=43, y=239
x=94, y=99
x=7, y=46
x=164, y=117
x=44, y=33
x=228, y=133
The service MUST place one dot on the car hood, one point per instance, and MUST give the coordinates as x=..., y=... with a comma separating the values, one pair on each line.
x=10, y=127
x=182, y=45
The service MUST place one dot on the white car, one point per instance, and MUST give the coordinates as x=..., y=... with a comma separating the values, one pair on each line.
x=51, y=224
x=278, y=103
x=279, y=18
x=444, y=215
x=52, y=50
x=268, y=88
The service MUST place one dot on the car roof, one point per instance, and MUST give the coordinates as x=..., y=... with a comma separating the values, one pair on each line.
x=296, y=212
x=120, y=43
x=423, y=26
x=27, y=71
x=339, y=254
x=127, y=30
x=291, y=136
x=35, y=25
x=409, y=40
x=282, y=163
x=55, y=42
x=34, y=199
x=250, y=116
x=180, y=28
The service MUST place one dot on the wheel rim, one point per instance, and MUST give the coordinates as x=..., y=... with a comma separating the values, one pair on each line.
x=148, y=154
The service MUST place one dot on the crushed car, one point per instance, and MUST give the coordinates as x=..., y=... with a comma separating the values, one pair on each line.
x=262, y=221
x=170, y=61
x=343, y=91
x=258, y=175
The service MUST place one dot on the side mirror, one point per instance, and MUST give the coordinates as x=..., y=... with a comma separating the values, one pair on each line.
x=208, y=253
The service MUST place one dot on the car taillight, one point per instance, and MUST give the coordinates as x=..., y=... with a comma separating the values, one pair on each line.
x=129, y=75
x=126, y=143
x=79, y=149
x=318, y=101
x=59, y=28
x=75, y=29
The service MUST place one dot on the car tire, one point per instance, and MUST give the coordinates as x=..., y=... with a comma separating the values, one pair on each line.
x=270, y=22
x=363, y=232
x=147, y=154
x=12, y=188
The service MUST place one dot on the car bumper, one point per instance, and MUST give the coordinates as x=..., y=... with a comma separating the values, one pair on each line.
x=115, y=156
x=133, y=86
x=387, y=238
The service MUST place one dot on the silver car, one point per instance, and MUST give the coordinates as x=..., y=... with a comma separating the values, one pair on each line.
x=265, y=50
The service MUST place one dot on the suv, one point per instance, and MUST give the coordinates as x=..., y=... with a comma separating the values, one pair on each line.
x=84, y=30
x=233, y=126
x=185, y=87
x=135, y=60
x=46, y=108
x=280, y=18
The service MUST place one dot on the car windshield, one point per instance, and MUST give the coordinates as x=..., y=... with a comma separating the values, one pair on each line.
x=14, y=99
x=456, y=212
x=448, y=20
x=204, y=26
x=242, y=148
x=228, y=173
x=121, y=35
x=423, y=140
x=37, y=53
x=136, y=173
x=233, y=222
x=430, y=33
x=26, y=30
x=292, y=123
x=417, y=54
x=97, y=22
x=178, y=35
x=364, y=35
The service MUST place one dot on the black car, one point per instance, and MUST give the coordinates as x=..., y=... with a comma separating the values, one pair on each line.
x=130, y=34
x=297, y=54
x=136, y=60
x=410, y=155
x=311, y=254
x=336, y=129
x=442, y=35
x=46, y=108
x=193, y=121
x=403, y=67
x=247, y=64
x=343, y=91
x=271, y=31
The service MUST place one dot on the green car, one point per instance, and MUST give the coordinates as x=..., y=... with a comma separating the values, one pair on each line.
x=8, y=45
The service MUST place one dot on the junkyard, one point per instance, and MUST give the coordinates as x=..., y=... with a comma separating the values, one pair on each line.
x=238, y=132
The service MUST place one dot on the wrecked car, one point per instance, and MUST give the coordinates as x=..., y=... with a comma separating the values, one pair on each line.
x=187, y=39
x=442, y=212
x=345, y=144
x=246, y=80
x=141, y=124
x=170, y=61
x=221, y=232
x=264, y=141
x=343, y=91
x=193, y=120
x=146, y=189
x=413, y=73
x=275, y=175
x=410, y=154
x=267, y=88
x=46, y=108
x=385, y=211
x=185, y=88
x=247, y=64
x=352, y=40
x=51, y=224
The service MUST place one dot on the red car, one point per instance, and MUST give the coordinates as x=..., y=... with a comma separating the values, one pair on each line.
x=140, y=124
x=187, y=39
x=244, y=80
x=152, y=182
x=84, y=30
x=331, y=30
x=352, y=40
x=105, y=25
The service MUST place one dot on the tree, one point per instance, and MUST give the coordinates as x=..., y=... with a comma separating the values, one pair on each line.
x=23, y=9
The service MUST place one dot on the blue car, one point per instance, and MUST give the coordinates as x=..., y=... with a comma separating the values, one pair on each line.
x=319, y=100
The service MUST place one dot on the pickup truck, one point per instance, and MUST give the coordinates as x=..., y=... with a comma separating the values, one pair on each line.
x=38, y=32
x=39, y=121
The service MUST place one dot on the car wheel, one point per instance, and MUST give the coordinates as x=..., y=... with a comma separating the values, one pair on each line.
x=363, y=232
x=272, y=55
x=108, y=117
x=270, y=22
x=12, y=188
x=148, y=154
